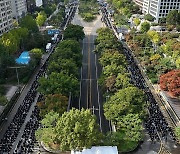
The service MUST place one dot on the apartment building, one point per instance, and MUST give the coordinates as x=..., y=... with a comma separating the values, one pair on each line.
x=19, y=8
x=31, y=5
x=139, y=2
x=5, y=16
x=158, y=8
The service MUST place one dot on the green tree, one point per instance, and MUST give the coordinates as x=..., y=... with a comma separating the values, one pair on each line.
x=112, y=57
x=10, y=42
x=67, y=66
x=74, y=32
x=131, y=125
x=46, y=134
x=3, y=100
x=29, y=23
x=57, y=103
x=106, y=40
x=59, y=83
x=114, y=110
x=145, y=26
x=122, y=81
x=72, y=44
x=77, y=130
x=172, y=17
x=113, y=69
x=177, y=131
x=136, y=21
x=149, y=17
x=41, y=18
x=133, y=98
x=155, y=37
x=36, y=53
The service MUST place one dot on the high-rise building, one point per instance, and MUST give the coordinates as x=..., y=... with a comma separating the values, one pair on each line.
x=5, y=16
x=19, y=8
x=139, y=2
x=158, y=8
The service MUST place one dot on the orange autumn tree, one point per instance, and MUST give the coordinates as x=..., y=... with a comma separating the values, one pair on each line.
x=170, y=82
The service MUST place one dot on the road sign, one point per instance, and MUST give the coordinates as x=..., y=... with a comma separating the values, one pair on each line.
x=53, y=31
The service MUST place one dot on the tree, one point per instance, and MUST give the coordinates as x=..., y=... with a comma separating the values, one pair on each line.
x=122, y=81
x=29, y=23
x=69, y=49
x=132, y=99
x=131, y=125
x=177, y=132
x=74, y=32
x=136, y=21
x=41, y=18
x=57, y=103
x=67, y=66
x=112, y=57
x=59, y=83
x=145, y=26
x=46, y=134
x=178, y=63
x=3, y=100
x=36, y=54
x=106, y=40
x=66, y=53
x=170, y=82
x=77, y=130
x=72, y=44
x=149, y=17
x=172, y=17
x=113, y=69
x=154, y=36
x=114, y=110
x=10, y=42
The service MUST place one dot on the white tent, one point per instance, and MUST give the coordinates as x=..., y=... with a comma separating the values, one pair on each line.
x=98, y=150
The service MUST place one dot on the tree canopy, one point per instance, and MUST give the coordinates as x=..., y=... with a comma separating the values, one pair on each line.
x=77, y=130
x=173, y=17
x=127, y=100
x=74, y=32
x=57, y=103
x=29, y=23
x=145, y=26
x=41, y=18
x=170, y=82
x=112, y=57
x=59, y=83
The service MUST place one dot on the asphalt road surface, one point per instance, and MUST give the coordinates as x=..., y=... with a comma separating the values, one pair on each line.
x=90, y=94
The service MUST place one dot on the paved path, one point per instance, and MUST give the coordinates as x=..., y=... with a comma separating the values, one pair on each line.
x=90, y=95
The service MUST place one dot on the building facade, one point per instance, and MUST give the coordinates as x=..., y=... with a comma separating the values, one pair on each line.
x=31, y=5
x=19, y=8
x=5, y=16
x=158, y=8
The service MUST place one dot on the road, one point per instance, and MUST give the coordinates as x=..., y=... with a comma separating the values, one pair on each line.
x=90, y=94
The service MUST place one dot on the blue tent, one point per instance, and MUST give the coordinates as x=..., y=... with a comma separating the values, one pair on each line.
x=24, y=58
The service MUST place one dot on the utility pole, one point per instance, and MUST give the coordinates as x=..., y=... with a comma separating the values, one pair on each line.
x=17, y=75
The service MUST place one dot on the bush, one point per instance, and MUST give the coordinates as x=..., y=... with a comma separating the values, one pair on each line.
x=3, y=100
x=154, y=24
x=149, y=17
x=170, y=27
x=88, y=17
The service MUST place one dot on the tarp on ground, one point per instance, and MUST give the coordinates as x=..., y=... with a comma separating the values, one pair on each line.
x=24, y=58
x=98, y=150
